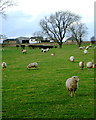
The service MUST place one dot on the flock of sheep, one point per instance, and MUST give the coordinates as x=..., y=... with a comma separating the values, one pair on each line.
x=71, y=83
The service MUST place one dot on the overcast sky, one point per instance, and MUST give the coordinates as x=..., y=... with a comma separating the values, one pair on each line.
x=23, y=19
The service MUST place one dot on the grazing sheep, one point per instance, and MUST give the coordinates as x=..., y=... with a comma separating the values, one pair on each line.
x=52, y=54
x=81, y=65
x=24, y=51
x=72, y=85
x=4, y=65
x=85, y=51
x=89, y=65
x=32, y=65
x=72, y=58
x=44, y=50
x=87, y=47
x=82, y=48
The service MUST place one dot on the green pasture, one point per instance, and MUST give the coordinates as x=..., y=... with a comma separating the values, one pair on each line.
x=41, y=93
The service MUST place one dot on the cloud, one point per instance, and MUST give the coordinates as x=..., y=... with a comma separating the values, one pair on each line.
x=36, y=7
x=19, y=24
x=24, y=18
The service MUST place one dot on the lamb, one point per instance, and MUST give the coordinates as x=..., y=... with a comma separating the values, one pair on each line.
x=85, y=51
x=89, y=65
x=4, y=65
x=24, y=51
x=72, y=58
x=72, y=85
x=32, y=65
x=81, y=65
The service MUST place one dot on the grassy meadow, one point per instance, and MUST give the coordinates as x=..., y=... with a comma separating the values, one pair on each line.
x=41, y=93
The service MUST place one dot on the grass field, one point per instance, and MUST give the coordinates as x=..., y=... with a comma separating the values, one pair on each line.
x=42, y=93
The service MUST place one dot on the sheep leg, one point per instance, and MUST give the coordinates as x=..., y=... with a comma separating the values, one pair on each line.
x=74, y=94
x=71, y=93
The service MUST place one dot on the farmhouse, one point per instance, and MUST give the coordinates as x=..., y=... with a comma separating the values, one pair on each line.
x=35, y=40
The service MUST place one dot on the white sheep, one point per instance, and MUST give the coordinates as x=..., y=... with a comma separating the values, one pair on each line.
x=81, y=65
x=72, y=58
x=44, y=50
x=72, y=85
x=32, y=65
x=24, y=51
x=89, y=65
x=4, y=65
x=87, y=47
x=94, y=65
x=81, y=48
x=85, y=51
x=52, y=54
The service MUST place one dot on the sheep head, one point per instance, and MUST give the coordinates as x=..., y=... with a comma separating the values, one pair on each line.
x=75, y=78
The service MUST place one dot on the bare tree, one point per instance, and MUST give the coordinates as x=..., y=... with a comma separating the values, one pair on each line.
x=56, y=26
x=3, y=5
x=38, y=34
x=78, y=31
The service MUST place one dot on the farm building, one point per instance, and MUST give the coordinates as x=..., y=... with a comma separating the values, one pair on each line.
x=23, y=39
x=35, y=40
x=31, y=40
x=10, y=41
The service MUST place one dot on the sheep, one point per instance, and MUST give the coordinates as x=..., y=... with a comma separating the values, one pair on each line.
x=81, y=48
x=72, y=85
x=52, y=54
x=44, y=50
x=4, y=65
x=89, y=65
x=87, y=47
x=24, y=51
x=85, y=51
x=32, y=65
x=72, y=58
x=94, y=65
x=81, y=65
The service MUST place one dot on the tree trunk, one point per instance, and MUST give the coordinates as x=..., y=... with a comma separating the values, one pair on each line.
x=60, y=44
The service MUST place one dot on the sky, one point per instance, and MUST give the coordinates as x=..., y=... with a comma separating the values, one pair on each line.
x=23, y=19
